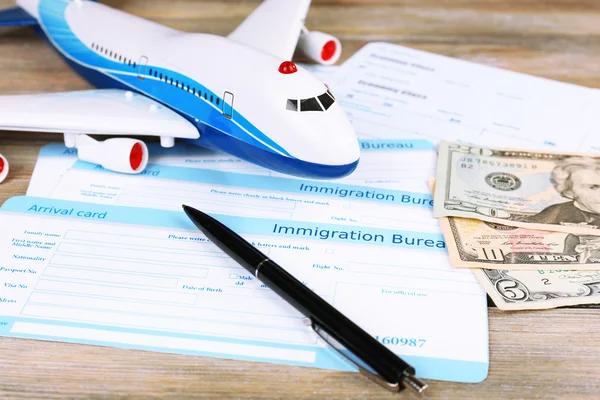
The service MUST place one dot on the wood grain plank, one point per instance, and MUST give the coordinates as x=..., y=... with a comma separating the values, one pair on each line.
x=534, y=355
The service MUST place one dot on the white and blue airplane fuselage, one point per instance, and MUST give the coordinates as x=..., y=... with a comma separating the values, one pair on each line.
x=242, y=100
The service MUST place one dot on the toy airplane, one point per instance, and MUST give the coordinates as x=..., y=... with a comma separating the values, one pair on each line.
x=238, y=94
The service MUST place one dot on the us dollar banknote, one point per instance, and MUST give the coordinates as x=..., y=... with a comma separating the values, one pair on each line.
x=536, y=290
x=478, y=244
x=528, y=189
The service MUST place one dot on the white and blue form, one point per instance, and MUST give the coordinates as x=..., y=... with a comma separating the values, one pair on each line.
x=390, y=91
x=393, y=163
x=148, y=279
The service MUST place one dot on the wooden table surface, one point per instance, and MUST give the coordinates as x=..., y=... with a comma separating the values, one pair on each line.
x=540, y=354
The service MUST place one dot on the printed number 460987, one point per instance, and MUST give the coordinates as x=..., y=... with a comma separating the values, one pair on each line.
x=401, y=341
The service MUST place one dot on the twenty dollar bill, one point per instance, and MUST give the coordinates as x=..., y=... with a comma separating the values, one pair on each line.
x=477, y=244
x=528, y=189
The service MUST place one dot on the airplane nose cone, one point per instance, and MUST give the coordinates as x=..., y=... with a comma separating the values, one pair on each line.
x=333, y=141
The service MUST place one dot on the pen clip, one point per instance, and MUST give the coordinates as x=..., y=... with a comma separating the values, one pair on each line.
x=348, y=355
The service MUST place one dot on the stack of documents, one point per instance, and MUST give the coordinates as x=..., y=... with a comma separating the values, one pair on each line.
x=125, y=263
x=97, y=257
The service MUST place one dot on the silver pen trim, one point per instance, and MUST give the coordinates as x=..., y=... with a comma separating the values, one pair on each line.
x=414, y=383
x=260, y=265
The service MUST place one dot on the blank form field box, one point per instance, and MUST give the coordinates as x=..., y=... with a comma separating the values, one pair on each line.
x=134, y=254
x=128, y=266
x=115, y=292
x=140, y=242
x=329, y=251
x=109, y=277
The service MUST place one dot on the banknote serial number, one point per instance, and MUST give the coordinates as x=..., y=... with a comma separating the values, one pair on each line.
x=552, y=271
x=401, y=341
x=470, y=163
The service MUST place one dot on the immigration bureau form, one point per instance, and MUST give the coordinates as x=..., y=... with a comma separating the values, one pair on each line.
x=388, y=189
x=148, y=279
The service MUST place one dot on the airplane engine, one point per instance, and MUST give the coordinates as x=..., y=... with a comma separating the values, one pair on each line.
x=320, y=47
x=3, y=168
x=129, y=156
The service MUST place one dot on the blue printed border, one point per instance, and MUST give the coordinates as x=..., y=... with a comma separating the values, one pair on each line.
x=243, y=225
x=395, y=145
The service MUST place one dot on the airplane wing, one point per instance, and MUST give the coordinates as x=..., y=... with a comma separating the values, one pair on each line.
x=274, y=27
x=101, y=112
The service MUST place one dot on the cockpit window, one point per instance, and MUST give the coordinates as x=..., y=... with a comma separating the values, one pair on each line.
x=292, y=105
x=312, y=104
x=326, y=100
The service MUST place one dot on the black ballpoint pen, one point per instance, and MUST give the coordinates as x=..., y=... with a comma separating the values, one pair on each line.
x=371, y=357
